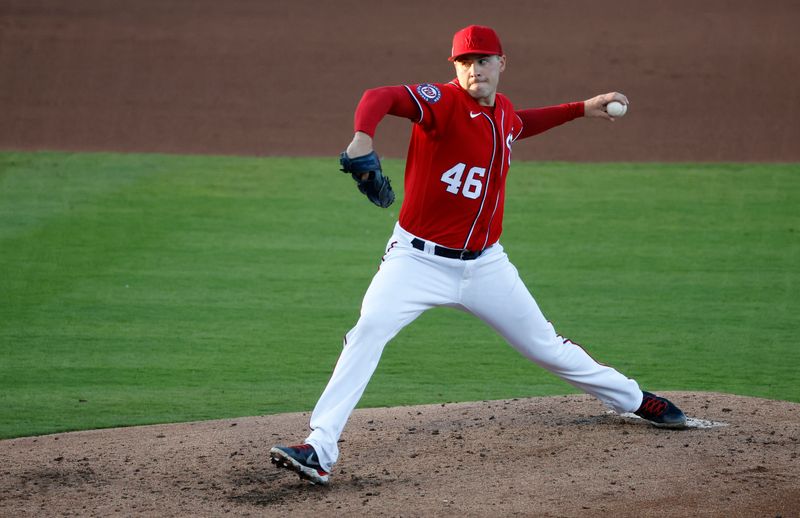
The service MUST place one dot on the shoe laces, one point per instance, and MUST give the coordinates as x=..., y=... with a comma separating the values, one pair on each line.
x=653, y=406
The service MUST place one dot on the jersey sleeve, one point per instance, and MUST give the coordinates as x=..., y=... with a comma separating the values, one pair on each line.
x=539, y=120
x=377, y=103
x=434, y=104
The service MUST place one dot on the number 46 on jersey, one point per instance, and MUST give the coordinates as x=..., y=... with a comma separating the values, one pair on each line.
x=472, y=186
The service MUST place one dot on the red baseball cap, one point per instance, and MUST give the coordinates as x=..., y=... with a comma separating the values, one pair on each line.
x=475, y=39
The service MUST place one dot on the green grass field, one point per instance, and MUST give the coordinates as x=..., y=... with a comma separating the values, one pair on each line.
x=146, y=288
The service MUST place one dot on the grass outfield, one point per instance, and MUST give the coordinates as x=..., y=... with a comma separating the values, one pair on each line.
x=146, y=288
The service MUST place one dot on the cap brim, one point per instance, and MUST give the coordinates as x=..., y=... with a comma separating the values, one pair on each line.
x=475, y=52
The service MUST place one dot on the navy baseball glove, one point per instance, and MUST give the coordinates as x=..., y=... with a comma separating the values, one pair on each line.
x=375, y=185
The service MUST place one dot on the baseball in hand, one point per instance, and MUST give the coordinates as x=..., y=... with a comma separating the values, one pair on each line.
x=616, y=109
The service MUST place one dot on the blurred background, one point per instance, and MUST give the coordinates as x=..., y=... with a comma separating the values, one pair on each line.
x=709, y=81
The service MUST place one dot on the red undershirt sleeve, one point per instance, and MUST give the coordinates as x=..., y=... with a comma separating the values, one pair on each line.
x=538, y=120
x=376, y=103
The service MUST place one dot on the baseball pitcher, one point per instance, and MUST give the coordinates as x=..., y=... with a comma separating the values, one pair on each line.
x=445, y=249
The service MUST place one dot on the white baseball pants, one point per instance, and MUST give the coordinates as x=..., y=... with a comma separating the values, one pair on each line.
x=411, y=281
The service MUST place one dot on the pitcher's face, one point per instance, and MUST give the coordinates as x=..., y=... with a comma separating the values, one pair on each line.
x=479, y=75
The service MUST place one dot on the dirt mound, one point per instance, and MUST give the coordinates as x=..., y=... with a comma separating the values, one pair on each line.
x=555, y=456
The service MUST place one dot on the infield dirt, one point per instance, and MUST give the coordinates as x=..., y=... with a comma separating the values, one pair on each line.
x=555, y=456
x=715, y=81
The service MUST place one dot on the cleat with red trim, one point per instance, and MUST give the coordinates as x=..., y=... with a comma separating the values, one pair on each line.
x=302, y=459
x=661, y=412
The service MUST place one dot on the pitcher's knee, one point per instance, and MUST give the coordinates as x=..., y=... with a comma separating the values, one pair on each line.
x=552, y=353
x=372, y=327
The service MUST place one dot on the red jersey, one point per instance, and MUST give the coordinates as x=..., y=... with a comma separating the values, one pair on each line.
x=458, y=157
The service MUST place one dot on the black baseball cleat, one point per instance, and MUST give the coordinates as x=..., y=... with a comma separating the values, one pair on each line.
x=302, y=459
x=661, y=412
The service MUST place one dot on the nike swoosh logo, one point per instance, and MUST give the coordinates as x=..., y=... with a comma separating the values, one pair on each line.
x=473, y=115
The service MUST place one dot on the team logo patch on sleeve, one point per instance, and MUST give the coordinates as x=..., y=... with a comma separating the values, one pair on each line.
x=429, y=92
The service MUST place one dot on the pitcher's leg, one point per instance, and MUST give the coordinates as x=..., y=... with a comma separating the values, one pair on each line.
x=362, y=350
x=503, y=301
x=399, y=293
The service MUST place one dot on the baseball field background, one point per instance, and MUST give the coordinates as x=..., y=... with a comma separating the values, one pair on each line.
x=153, y=288
x=177, y=244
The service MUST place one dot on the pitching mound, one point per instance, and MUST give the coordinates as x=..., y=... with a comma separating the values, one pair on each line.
x=555, y=456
